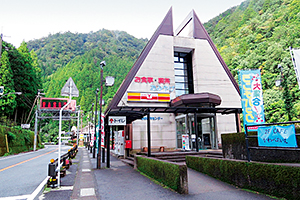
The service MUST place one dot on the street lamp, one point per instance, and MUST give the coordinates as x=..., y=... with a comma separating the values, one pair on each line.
x=94, y=152
x=102, y=64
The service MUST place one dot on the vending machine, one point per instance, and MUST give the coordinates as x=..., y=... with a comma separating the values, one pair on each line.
x=119, y=143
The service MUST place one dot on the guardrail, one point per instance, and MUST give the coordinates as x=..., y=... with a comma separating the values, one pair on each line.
x=53, y=166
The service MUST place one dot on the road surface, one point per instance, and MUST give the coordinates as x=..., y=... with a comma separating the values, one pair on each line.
x=20, y=175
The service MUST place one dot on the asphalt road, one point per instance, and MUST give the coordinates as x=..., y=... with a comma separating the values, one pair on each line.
x=21, y=174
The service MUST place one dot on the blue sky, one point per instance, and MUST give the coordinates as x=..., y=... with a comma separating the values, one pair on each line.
x=33, y=19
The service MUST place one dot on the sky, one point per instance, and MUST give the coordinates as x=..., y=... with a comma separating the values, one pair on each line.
x=25, y=20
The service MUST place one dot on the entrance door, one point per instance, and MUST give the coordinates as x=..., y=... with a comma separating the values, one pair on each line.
x=206, y=131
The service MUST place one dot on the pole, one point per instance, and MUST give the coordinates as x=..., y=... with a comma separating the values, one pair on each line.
x=78, y=117
x=149, y=134
x=107, y=133
x=94, y=152
x=35, y=129
x=100, y=122
x=196, y=131
x=59, y=137
x=247, y=143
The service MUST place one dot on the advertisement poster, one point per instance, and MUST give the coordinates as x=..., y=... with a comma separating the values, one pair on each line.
x=185, y=142
x=277, y=136
x=252, y=98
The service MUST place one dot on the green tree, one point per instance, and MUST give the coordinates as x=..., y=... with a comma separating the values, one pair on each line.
x=7, y=103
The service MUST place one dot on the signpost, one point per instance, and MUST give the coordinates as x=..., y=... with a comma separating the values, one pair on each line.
x=70, y=90
x=117, y=120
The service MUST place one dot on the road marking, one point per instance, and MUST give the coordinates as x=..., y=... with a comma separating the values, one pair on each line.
x=87, y=192
x=14, y=197
x=26, y=160
x=38, y=189
x=86, y=170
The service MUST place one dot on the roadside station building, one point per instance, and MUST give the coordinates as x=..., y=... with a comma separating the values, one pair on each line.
x=178, y=92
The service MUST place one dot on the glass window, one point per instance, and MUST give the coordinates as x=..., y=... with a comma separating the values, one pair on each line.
x=183, y=73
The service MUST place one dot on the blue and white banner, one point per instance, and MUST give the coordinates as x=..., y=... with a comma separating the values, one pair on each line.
x=252, y=98
x=277, y=136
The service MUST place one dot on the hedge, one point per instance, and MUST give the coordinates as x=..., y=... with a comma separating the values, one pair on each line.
x=170, y=174
x=19, y=140
x=272, y=179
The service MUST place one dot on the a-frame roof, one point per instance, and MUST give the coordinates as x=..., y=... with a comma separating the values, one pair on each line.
x=166, y=28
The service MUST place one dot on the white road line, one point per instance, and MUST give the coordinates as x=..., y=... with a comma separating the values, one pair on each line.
x=38, y=189
x=15, y=197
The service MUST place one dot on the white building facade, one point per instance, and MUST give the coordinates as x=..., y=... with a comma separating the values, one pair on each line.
x=184, y=70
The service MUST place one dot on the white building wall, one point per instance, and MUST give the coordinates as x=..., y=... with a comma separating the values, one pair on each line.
x=163, y=129
x=209, y=76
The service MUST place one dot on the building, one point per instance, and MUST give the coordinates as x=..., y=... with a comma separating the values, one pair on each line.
x=181, y=86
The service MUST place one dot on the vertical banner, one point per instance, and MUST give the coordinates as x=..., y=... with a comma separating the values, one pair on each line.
x=102, y=130
x=277, y=136
x=295, y=54
x=252, y=98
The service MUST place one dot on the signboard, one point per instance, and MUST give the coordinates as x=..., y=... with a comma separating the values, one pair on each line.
x=185, y=142
x=296, y=62
x=25, y=126
x=70, y=86
x=148, y=97
x=117, y=120
x=1, y=90
x=92, y=137
x=102, y=131
x=252, y=98
x=56, y=104
x=277, y=136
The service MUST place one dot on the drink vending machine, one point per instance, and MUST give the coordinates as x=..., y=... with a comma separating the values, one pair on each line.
x=119, y=143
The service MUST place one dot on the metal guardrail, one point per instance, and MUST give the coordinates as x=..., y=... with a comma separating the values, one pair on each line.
x=53, y=166
x=255, y=136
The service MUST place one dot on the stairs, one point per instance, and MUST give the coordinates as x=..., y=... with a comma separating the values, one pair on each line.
x=178, y=156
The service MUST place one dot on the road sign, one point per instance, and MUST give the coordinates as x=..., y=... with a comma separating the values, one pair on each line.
x=65, y=91
x=25, y=125
x=1, y=90
x=117, y=120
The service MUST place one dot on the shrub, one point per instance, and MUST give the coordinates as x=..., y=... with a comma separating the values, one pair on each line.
x=272, y=179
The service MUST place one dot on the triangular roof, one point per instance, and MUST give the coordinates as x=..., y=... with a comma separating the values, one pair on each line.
x=199, y=32
x=166, y=28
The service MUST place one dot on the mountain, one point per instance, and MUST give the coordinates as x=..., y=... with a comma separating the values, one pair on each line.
x=257, y=35
x=77, y=55
x=254, y=35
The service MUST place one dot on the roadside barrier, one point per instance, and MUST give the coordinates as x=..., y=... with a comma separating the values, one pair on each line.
x=65, y=163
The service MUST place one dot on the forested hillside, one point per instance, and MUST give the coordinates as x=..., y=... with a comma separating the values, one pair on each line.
x=19, y=73
x=65, y=55
x=257, y=35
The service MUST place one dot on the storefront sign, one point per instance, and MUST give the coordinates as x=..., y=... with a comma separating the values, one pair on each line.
x=252, y=98
x=117, y=120
x=148, y=97
x=277, y=136
x=156, y=84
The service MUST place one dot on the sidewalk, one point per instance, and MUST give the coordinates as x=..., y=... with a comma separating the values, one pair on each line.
x=123, y=182
x=120, y=181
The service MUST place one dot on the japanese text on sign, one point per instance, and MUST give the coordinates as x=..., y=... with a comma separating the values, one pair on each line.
x=252, y=98
x=277, y=136
x=116, y=120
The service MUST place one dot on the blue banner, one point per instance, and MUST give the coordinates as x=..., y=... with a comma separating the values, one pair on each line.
x=277, y=136
x=252, y=98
